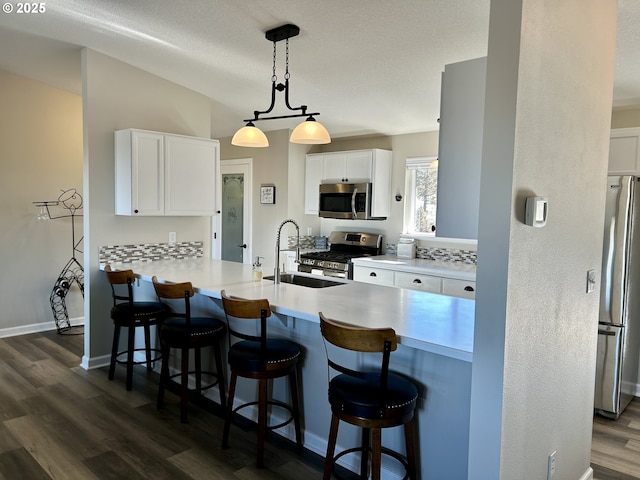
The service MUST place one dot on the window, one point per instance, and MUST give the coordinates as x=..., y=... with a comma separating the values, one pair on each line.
x=421, y=191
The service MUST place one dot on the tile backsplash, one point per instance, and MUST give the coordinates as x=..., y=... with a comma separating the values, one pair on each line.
x=439, y=253
x=149, y=252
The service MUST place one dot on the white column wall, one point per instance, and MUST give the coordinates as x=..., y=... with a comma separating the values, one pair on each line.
x=547, y=120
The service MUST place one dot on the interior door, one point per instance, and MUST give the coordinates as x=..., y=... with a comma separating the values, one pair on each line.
x=236, y=210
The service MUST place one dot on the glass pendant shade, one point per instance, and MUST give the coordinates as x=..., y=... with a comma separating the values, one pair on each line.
x=310, y=132
x=250, y=136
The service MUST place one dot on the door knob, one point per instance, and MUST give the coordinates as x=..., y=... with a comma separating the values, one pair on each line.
x=244, y=245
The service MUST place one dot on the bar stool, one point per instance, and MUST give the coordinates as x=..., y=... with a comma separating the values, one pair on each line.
x=182, y=331
x=260, y=358
x=372, y=400
x=127, y=313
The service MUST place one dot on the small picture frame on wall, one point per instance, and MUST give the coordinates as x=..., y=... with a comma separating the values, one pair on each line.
x=268, y=194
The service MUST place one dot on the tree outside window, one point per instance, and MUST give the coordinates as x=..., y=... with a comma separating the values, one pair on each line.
x=421, y=195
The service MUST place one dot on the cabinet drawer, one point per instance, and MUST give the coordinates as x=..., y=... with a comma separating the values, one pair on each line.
x=415, y=281
x=459, y=288
x=379, y=276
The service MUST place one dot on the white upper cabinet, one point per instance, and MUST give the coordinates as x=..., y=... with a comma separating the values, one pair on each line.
x=356, y=166
x=347, y=167
x=165, y=174
x=312, y=178
x=624, y=151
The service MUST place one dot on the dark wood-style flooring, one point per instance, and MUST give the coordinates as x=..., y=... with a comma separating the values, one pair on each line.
x=62, y=422
x=615, y=448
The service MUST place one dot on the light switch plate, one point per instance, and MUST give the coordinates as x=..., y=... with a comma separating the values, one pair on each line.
x=591, y=281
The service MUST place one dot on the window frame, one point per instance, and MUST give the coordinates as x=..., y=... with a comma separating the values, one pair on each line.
x=411, y=165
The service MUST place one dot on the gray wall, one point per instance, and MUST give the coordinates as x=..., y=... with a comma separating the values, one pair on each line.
x=547, y=118
x=460, y=148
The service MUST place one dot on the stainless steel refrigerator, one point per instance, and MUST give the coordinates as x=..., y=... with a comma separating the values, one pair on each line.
x=619, y=321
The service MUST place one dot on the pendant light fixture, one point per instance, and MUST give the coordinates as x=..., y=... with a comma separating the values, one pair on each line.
x=308, y=132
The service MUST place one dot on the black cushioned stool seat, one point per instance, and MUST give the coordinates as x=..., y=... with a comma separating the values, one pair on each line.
x=180, y=330
x=372, y=400
x=261, y=358
x=131, y=315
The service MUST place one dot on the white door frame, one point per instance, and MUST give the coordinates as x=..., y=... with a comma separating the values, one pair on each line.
x=245, y=166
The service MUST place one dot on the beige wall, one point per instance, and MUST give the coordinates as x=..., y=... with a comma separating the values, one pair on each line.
x=625, y=117
x=118, y=96
x=40, y=155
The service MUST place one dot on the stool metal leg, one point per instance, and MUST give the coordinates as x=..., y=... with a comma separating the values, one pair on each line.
x=220, y=373
x=164, y=373
x=331, y=447
x=227, y=420
x=364, y=456
x=262, y=420
x=184, y=385
x=411, y=452
x=376, y=456
x=295, y=408
x=114, y=351
x=147, y=345
x=131, y=338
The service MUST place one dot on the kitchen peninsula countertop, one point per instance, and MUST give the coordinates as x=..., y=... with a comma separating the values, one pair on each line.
x=434, y=323
x=441, y=268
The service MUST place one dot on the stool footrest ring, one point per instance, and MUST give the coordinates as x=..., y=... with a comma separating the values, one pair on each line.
x=385, y=451
x=275, y=403
x=204, y=387
x=156, y=351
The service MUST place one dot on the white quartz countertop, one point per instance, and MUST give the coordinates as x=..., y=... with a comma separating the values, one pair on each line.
x=436, y=323
x=441, y=268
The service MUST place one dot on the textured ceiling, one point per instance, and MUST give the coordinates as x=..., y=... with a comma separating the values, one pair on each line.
x=368, y=66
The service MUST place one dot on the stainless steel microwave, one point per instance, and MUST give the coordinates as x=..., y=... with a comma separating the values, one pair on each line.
x=346, y=200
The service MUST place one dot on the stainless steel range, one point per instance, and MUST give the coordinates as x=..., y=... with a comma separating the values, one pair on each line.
x=336, y=262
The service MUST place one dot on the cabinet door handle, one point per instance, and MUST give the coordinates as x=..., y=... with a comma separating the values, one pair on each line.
x=135, y=211
x=417, y=280
x=373, y=274
x=469, y=288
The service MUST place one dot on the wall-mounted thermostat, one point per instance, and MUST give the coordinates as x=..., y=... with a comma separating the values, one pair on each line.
x=535, y=211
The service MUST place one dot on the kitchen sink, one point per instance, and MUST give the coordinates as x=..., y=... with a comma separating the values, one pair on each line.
x=303, y=281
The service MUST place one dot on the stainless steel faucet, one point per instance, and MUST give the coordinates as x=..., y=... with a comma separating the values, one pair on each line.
x=276, y=272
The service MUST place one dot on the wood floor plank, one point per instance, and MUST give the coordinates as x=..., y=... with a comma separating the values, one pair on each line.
x=55, y=457
x=19, y=460
x=110, y=466
x=60, y=421
x=7, y=440
x=200, y=465
x=13, y=385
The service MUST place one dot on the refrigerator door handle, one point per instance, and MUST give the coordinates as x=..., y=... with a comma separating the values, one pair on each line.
x=606, y=332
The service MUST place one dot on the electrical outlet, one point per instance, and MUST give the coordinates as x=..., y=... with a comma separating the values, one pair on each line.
x=551, y=465
x=591, y=281
x=172, y=237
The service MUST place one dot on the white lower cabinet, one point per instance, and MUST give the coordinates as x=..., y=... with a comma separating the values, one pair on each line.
x=378, y=276
x=415, y=281
x=458, y=288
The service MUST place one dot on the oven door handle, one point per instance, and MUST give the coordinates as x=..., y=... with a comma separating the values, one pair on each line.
x=353, y=203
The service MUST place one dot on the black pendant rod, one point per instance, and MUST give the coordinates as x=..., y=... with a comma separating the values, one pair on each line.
x=284, y=32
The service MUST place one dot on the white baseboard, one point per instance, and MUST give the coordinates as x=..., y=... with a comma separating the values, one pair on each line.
x=36, y=328
x=89, y=363
x=588, y=475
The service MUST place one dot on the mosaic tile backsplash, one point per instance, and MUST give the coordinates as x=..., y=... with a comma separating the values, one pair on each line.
x=444, y=254
x=150, y=252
